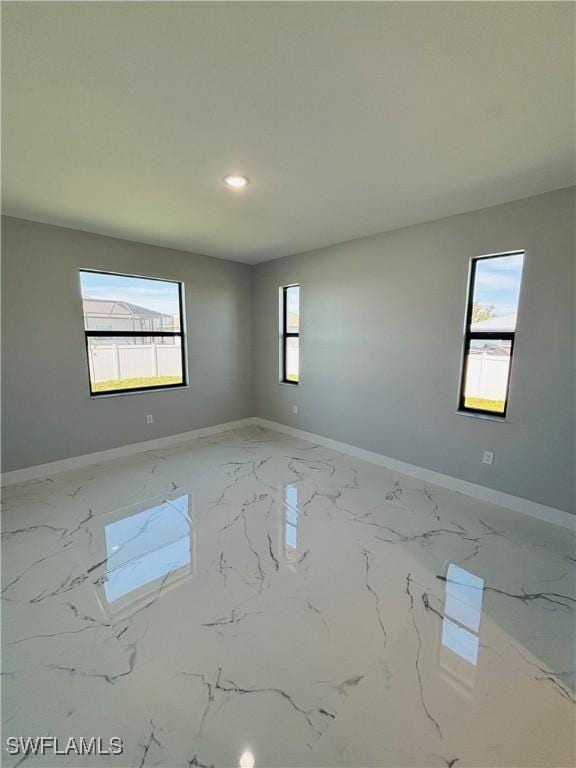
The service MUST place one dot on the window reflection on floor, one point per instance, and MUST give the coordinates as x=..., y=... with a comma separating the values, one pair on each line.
x=460, y=638
x=146, y=547
x=290, y=522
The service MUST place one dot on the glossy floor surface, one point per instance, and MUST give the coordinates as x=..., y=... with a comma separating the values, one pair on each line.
x=251, y=598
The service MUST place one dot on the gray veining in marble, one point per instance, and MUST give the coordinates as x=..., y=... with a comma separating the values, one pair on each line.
x=254, y=594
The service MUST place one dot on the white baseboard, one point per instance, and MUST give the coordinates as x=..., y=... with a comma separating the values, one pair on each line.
x=76, y=462
x=489, y=495
x=499, y=498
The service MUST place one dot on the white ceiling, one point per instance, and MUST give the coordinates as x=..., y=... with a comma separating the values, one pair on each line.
x=350, y=118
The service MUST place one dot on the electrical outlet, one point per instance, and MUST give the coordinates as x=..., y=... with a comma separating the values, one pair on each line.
x=488, y=457
x=149, y=419
x=295, y=409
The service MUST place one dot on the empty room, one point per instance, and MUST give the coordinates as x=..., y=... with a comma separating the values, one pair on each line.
x=288, y=384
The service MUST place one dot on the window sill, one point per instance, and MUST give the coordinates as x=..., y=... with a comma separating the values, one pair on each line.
x=483, y=416
x=289, y=383
x=106, y=395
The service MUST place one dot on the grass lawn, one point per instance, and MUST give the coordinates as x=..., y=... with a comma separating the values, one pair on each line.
x=496, y=406
x=140, y=381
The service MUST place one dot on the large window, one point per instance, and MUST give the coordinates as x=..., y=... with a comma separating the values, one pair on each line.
x=290, y=334
x=134, y=332
x=490, y=331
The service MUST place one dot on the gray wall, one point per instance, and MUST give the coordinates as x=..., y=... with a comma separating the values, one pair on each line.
x=47, y=412
x=382, y=321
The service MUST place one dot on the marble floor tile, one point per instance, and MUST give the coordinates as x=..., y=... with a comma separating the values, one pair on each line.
x=254, y=599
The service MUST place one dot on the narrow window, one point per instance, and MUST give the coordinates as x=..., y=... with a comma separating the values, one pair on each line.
x=290, y=334
x=134, y=332
x=490, y=330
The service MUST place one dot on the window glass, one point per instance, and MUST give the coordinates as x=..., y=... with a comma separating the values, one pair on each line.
x=292, y=358
x=487, y=372
x=131, y=362
x=293, y=309
x=124, y=303
x=290, y=334
x=133, y=332
x=496, y=292
x=490, y=333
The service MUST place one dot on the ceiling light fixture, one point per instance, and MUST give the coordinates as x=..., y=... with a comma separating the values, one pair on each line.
x=236, y=182
x=247, y=759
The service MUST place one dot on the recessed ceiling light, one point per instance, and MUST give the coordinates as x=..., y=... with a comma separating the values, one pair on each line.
x=236, y=182
x=247, y=759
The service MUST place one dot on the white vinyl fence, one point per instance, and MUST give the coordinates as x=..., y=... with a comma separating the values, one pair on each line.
x=292, y=361
x=487, y=375
x=128, y=361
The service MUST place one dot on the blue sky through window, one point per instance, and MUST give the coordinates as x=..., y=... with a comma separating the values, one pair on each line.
x=152, y=294
x=293, y=299
x=498, y=282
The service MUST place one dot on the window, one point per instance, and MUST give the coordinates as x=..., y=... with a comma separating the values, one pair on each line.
x=490, y=330
x=290, y=334
x=134, y=332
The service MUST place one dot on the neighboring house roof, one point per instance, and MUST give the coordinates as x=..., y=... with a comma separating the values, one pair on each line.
x=501, y=323
x=118, y=308
x=492, y=348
